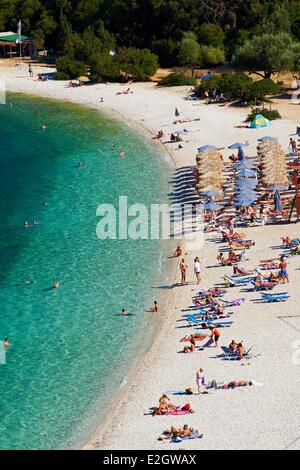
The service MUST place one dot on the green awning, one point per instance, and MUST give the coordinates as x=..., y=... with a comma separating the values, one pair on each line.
x=14, y=38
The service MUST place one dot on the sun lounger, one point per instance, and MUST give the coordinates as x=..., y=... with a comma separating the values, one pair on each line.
x=192, y=319
x=231, y=281
x=231, y=356
x=263, y=286
x=281, y=297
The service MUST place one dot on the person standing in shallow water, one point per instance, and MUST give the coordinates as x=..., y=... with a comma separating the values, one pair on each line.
x=197, y=270
x=183, y=269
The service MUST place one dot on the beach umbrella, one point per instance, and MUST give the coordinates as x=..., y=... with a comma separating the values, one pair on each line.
x=207, y=147
x=241, y=154
x=212, y=193
x=237, y=145
x=211, y=206
x=278, y=188
x=246, y=174
x=246, y=183
x=268, y=138
x=245, y=165
x=245, y=201
x=277, y=202
x=84, y=79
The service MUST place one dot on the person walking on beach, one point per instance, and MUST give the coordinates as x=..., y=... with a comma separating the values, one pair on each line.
x=215, y=335
x=183, y=269
x=200, y=380
x=197, y=270
x=283, y=273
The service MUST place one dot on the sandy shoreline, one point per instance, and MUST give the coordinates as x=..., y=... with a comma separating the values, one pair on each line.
x=223, y=416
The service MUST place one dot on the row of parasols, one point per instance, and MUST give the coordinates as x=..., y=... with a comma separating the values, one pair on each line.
x=273, y=175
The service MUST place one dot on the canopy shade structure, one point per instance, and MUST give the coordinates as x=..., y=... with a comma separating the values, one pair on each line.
x=259, y=121
x=206, y=147
x=237, y=145
x=12, y=38
x=268, y=139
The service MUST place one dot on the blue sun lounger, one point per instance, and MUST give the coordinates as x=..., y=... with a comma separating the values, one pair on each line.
x=231, y=356
x=281, y=297
x=193, y=319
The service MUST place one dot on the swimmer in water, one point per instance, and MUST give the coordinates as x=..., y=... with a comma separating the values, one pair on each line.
x=6, y=343
x=26, y=224
x=36, y=223
x=45, y=203
x=124, y=312
x=43, y=126
x=27, y=282
x=56, y=285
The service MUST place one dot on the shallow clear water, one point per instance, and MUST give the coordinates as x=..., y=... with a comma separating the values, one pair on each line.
x=69, y=350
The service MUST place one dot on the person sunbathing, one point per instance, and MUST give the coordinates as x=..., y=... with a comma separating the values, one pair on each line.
x=165, y=405
x=191, y=348
x=178, y=252
x=233, y=346
x=240, y=350
x=155, y=308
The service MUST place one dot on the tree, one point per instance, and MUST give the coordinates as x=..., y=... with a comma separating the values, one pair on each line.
x=212, y=55
x=138, y=64
x=267, y=54
x=105, y=68
x=211, y=35
x=189, y=51
x=68, y=68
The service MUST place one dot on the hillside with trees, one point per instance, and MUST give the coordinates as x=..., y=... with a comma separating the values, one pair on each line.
x=258, y=36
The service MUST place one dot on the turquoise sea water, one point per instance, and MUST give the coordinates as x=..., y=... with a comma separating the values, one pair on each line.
x=68, y=349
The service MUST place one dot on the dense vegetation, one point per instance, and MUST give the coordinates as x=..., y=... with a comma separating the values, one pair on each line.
x=271, y=114
x=260, y=36
x=239, y=86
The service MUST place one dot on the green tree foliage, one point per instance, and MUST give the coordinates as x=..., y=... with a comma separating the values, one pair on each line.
x=212, y=55
x=239, y=86
x=211, y=35
x=266, y=54
x=68, y=69
x=105, y=68
x=189, y=50
x=82, y=28
x=177, y=79
x=137, y=64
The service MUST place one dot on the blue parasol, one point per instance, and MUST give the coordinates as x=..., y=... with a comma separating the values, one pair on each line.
x=246, y=174
x=267, y=139
x=238, y=145
x=207, y=147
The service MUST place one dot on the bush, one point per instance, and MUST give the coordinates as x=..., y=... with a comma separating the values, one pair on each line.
x=138, y=64
x=177, y=79
x=260, y=89
x=271, y=114
x=105, y=68
x=233, y=86
x=68, y=69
